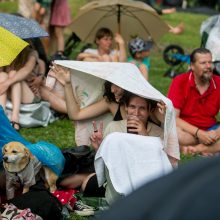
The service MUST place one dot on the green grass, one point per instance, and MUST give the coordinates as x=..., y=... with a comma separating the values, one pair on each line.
x=61, y=132
x=8, y=7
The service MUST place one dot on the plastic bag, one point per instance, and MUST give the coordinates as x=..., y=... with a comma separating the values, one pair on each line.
x=49, y=154
x=33, y=115
x=213, y=40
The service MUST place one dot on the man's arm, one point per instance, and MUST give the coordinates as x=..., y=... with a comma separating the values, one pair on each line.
x=205, y=137
x=191, y=129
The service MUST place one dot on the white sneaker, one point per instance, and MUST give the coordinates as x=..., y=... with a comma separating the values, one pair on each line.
x=82, y=209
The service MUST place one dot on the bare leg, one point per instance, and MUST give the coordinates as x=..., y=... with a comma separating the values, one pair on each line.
x=86, y=181
x=56, y=102
x=3, y=97
x=42, y=66
x=27, y=96
x=168, y=10
x=186, y=138
x=16, y=102
x=179, y=29
x=200, y=148
x=204, y=149
x=58, y=31
x=75, y=181
x=15, y=99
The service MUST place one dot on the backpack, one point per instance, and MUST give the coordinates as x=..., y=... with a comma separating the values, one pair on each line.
x=40, y=201
x=79, y=159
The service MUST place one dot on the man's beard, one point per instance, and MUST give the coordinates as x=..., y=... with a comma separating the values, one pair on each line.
x=205, y=77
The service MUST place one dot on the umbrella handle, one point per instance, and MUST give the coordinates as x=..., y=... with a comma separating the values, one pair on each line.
x=116, y=57
x=119, y=19
x=119, y=31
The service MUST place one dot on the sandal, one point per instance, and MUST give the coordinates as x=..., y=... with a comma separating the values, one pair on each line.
x=15, y=125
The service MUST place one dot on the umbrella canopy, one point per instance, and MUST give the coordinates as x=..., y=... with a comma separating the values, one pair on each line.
x=191, y=192
x=208, y=24
x=128, y=77
x=210, y=31
x=22, y=27
x=130, y=18
x=10, y=47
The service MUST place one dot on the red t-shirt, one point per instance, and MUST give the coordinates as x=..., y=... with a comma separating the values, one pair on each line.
x=196, y=109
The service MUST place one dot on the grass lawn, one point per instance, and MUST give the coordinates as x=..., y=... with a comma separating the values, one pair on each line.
x=61, y=132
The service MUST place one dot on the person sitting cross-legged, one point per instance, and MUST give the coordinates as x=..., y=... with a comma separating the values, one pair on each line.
x=196, y=99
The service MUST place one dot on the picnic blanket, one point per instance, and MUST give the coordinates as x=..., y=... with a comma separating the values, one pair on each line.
x=129, y=77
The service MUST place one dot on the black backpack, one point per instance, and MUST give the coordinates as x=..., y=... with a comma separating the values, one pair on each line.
x=40, y=201
x=79, y=159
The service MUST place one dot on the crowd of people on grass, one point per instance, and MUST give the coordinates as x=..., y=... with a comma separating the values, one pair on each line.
x=138, y=125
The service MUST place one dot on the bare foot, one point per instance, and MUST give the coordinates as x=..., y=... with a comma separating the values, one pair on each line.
x=188, y=150
x=168, y=10
x=197, y=149
x=179, y=29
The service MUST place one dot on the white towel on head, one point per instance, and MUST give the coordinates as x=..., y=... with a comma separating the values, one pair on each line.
x=128, y=77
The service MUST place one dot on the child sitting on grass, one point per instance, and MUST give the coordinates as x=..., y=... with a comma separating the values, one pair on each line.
x=140, y=51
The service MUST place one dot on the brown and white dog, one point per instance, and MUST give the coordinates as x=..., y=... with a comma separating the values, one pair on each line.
x=23, y=168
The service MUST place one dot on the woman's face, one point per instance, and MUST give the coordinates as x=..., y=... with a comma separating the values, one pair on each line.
x=117, y=91
x=105, y=43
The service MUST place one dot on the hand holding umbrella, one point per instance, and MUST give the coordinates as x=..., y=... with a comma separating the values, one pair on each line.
x=120, y=46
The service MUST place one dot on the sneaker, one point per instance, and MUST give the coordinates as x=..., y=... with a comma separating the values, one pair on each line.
x=82, y=209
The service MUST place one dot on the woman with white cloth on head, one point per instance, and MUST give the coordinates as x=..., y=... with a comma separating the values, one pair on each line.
x=127, y=162
x=143, y=153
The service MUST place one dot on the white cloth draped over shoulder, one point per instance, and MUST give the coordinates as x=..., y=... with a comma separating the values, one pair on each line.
x=132, y=160
x=128, y=77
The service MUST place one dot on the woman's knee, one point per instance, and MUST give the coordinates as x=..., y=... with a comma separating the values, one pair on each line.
x=12, y=73
x=3, y=76
x=27, y=96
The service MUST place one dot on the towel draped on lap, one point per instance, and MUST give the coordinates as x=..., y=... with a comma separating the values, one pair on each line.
x=131, y=160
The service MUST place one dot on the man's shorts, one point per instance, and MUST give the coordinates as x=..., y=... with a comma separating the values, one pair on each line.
x=214, y=127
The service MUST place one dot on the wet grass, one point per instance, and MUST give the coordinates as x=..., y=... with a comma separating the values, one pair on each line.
x=61, y=132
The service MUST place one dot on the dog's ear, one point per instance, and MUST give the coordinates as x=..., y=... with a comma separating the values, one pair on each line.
x=27, y=152
x=3, y=148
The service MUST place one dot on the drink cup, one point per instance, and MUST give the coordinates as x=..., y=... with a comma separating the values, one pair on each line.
x=131, y=117
x=50, y=82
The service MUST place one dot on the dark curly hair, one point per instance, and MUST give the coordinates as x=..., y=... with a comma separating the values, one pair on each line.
x=110, y=97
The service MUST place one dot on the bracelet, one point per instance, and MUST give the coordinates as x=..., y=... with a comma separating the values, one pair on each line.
x=196, y=134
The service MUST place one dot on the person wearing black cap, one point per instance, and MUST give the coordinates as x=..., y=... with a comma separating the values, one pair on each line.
x=140, y=51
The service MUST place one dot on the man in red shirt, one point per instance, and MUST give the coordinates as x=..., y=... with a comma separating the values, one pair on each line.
x=196, y=99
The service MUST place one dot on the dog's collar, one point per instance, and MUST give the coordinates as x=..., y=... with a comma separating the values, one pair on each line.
x=15, y=172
